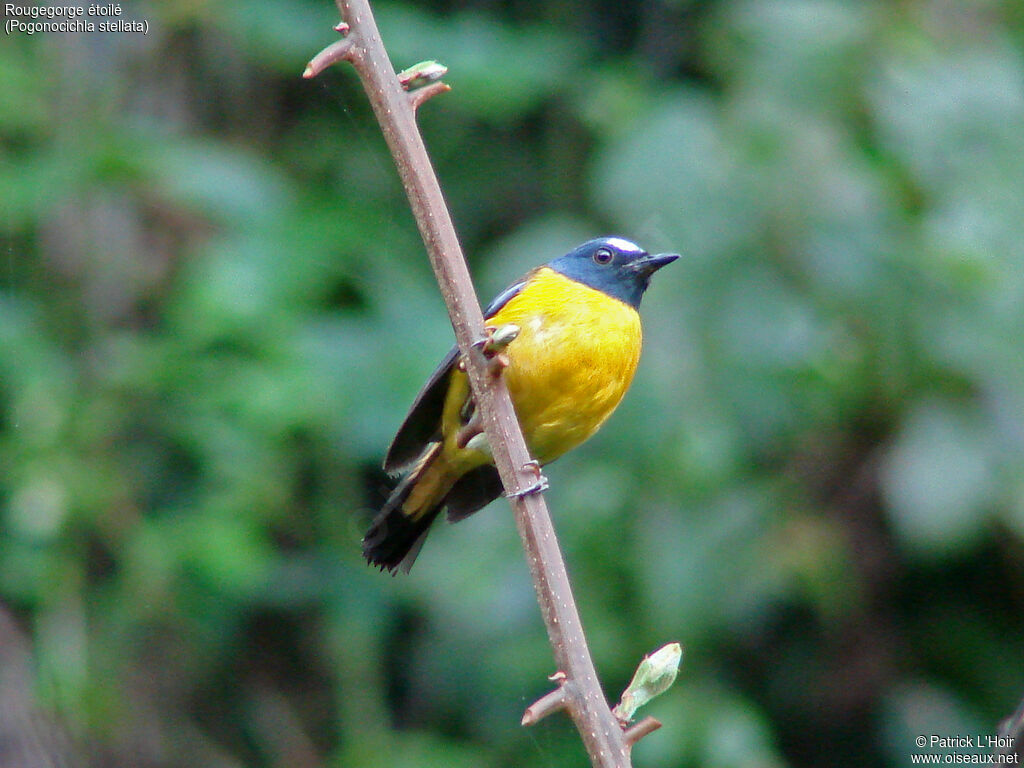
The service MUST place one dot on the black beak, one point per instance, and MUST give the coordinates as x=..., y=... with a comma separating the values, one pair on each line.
x=649, y=264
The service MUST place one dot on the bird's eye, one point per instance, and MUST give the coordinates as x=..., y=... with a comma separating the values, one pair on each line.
x=603, y=256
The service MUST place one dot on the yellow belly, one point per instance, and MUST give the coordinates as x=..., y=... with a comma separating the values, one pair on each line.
x=572, y=363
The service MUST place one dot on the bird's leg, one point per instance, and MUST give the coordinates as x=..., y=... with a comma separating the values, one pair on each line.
x=471, y=434
x=473, y=427
x=538, y=486
x=493, y=345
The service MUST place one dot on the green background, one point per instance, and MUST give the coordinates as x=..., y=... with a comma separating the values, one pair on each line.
x=215, y=309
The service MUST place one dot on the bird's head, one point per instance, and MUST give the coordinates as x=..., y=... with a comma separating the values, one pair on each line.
x=618, y=267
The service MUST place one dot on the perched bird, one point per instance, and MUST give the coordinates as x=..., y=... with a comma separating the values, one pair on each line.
x=573, y=359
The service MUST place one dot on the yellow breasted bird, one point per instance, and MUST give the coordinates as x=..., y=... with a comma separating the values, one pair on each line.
x=573, y=360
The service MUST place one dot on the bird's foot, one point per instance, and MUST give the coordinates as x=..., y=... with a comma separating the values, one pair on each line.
x=469, y=430
x=539, y=485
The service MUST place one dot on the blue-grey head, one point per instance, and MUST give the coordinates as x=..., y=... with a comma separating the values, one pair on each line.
x=620, y=268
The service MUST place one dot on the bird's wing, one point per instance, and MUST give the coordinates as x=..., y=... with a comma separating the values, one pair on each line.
x=422, y=425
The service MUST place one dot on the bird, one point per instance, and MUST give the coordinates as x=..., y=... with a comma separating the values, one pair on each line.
x=575, y=343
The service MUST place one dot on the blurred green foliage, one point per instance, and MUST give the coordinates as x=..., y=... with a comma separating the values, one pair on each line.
x=214, y=309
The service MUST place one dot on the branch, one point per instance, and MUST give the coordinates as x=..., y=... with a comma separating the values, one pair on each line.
x=641, y=729
x=554, y=701
x=339, y=50
x=395, y=110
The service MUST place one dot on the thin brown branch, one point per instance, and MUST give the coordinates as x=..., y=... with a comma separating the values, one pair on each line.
x=586, y=704
x=553, y=701
x=420, y=95
x=643, y=728
x=339, y=50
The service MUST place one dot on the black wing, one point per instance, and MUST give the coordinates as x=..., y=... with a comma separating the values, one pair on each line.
x=422, y=425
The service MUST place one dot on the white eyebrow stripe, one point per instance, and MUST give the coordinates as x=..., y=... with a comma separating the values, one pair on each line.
x=624, y=245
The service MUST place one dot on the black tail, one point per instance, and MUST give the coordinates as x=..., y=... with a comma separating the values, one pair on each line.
x=394, y=540
x=395, y=537
x=396, y=534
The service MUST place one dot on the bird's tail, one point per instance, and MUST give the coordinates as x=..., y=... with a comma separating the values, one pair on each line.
x=399, y=530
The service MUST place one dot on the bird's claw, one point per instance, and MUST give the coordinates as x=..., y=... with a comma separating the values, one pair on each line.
x=539, y=485
x=469, y=430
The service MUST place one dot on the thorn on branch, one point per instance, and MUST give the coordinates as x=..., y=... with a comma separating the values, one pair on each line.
x=341, y=28
x=550, y=702
x=339, y=50
x=420, y=95
x=641, y=729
